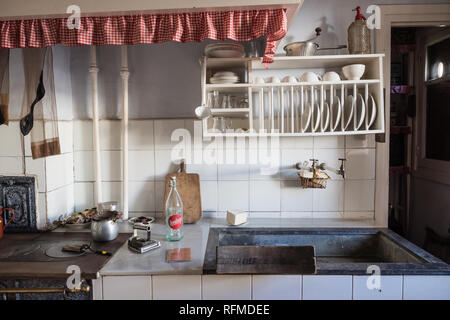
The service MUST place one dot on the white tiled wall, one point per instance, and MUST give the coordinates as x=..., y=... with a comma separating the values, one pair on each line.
x=54, y=175
x=245, y=186
x=263, y=190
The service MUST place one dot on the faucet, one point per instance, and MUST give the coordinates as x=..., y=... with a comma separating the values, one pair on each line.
x=322, y=166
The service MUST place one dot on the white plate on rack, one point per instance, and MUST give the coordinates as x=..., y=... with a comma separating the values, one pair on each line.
x=347, y=111
x=360, y=111
x=305, y=117
x=372, y=111
x=336, y=112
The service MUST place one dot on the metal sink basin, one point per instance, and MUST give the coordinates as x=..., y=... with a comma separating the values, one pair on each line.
x=338, y=251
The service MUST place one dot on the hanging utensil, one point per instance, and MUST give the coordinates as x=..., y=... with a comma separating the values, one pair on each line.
x=26, y=123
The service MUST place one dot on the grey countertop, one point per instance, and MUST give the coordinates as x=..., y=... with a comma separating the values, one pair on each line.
x=125, y=262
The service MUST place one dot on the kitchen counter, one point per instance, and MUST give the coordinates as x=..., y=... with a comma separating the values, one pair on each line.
x=124, y=262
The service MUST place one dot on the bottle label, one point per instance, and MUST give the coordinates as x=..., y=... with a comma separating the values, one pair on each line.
x=175, y=221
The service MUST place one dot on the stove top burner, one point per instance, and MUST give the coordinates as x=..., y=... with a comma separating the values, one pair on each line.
x=56, y=251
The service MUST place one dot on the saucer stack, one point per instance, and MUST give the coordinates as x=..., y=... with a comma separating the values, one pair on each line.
x=224, y=77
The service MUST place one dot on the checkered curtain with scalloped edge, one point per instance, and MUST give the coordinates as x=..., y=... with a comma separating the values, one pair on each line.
x=148, y=28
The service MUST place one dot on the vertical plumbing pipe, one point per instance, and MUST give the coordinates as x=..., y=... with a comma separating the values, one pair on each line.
x=93, y=70
x=125, y=75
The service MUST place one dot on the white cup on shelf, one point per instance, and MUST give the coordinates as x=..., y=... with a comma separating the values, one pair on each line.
x=331, y=76
x=310, y=77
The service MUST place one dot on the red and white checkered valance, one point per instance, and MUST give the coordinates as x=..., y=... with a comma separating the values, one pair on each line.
x=148, y=28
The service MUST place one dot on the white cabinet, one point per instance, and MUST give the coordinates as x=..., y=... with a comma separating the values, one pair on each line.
x=127, y=288
x=277, y=287
x=426, y=288
x=179, y=287
x=391, y=288
x=227, y=287
x=325, y=287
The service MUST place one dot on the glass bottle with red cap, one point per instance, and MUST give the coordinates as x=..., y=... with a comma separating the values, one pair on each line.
x=174, y=213
x=359, y=35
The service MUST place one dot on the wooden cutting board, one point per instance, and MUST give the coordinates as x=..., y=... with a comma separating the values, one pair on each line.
x=188, y=186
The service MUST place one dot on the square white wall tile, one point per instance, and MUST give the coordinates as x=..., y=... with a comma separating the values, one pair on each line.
x=391, y=288
x=333, y=142
x=296, y=143
x=325, y=287
x=36, y=167
x=11, y=165
x=140, y=135
x=65, y=130
x=331, y=198
x=160, y=187
x=127, y=288
x=289, y=157
x=11, y=141
x=59, y=170
x=208, y=191
x=265, y=165
x=163, y=132
x=83, y=195
x=205, y=171
x=110, y=134
x=277, y=287
x=83, y=163
x=142, y=196
x=359, y=195
x=82, y=135
x=426, y=287
x=233, y=195
x=265, y=195
x=360, y=141
x=295, y=198
x=233, y=171
x=360, y=164
x=226, y=287
x=141, y=165
x=112, y=191
x=164, y=164
x=60, y=202
x=168, y=287
x=111, y=165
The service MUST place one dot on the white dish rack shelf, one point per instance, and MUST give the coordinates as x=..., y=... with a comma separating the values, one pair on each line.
x=298, y=108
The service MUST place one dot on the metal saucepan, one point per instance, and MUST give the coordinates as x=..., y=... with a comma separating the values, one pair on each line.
x=307, y=48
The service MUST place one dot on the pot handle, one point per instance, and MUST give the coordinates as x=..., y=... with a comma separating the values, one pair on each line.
x=342, y=46
x=12, y=217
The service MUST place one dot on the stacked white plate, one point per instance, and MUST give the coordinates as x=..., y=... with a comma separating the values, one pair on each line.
x=224, y=77
x=224, y=50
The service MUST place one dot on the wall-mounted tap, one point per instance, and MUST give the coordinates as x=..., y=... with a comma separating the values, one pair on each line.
x=322, y=166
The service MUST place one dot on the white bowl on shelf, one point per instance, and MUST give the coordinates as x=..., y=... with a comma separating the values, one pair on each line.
x=354, y=71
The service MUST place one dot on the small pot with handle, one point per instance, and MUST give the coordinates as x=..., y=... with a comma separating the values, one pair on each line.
x=308, y=47
x=2, y=222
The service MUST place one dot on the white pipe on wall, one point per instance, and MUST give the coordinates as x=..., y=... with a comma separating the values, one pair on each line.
x=125, y=75
x=93, y=70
